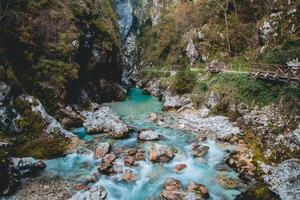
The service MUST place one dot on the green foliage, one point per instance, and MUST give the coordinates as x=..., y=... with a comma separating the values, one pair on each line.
x=60, y=71
x=240, y=87
x=290, y=50
x=184, y=81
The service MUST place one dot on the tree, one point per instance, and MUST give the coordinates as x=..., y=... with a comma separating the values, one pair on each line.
x=5, y=5
x=224, y=9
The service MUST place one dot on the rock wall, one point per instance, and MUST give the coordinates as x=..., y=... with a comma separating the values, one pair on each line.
x=65, y=52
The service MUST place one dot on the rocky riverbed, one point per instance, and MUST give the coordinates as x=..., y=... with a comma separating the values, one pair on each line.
x=167, y=155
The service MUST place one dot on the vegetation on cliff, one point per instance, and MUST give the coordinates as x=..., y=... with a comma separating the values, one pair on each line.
x=62, y=46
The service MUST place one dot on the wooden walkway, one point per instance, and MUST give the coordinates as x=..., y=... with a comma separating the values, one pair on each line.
x=277, y=73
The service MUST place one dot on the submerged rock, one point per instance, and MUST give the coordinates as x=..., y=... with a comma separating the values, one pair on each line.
x=284, y=179
x=180, y=167
x=104, y=119
x=149, y=136
x=95, y=193
x=102, y=149
x=161, y=153
x=199, y=150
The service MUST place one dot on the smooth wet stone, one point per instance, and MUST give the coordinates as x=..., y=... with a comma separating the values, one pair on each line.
x=172, y=184
x=128, y=176
x=160, y=154
x=102, y=149
x=199, y=150
x=95, y=193
x=180, y=167
x=198, y=188
x=149, y=135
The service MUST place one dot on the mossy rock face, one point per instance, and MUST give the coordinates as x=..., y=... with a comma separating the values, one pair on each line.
x=258, y=192
x=32, y=140
x=43, y=56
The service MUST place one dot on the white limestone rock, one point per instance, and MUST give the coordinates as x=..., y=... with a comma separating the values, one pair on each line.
x=104, y=119
x=284, y=179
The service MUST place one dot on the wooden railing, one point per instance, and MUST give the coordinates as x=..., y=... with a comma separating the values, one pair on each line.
x=281, y=73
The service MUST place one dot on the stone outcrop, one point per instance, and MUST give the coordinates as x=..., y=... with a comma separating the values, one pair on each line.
x=104, y=119
x=52, y=125
x=284, y=179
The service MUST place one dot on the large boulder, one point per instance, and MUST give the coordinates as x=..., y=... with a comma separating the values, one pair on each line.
x=149, y=135
x=284, y=179
x=95, y=193
x=104, y=119
x=160, y=153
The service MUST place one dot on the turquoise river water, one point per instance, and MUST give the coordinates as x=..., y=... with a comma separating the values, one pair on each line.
x=150, y=177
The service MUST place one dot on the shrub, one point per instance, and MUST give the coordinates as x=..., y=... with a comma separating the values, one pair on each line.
x=184, y=81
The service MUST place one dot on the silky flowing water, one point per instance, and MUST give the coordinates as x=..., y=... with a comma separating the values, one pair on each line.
x=150, y=177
